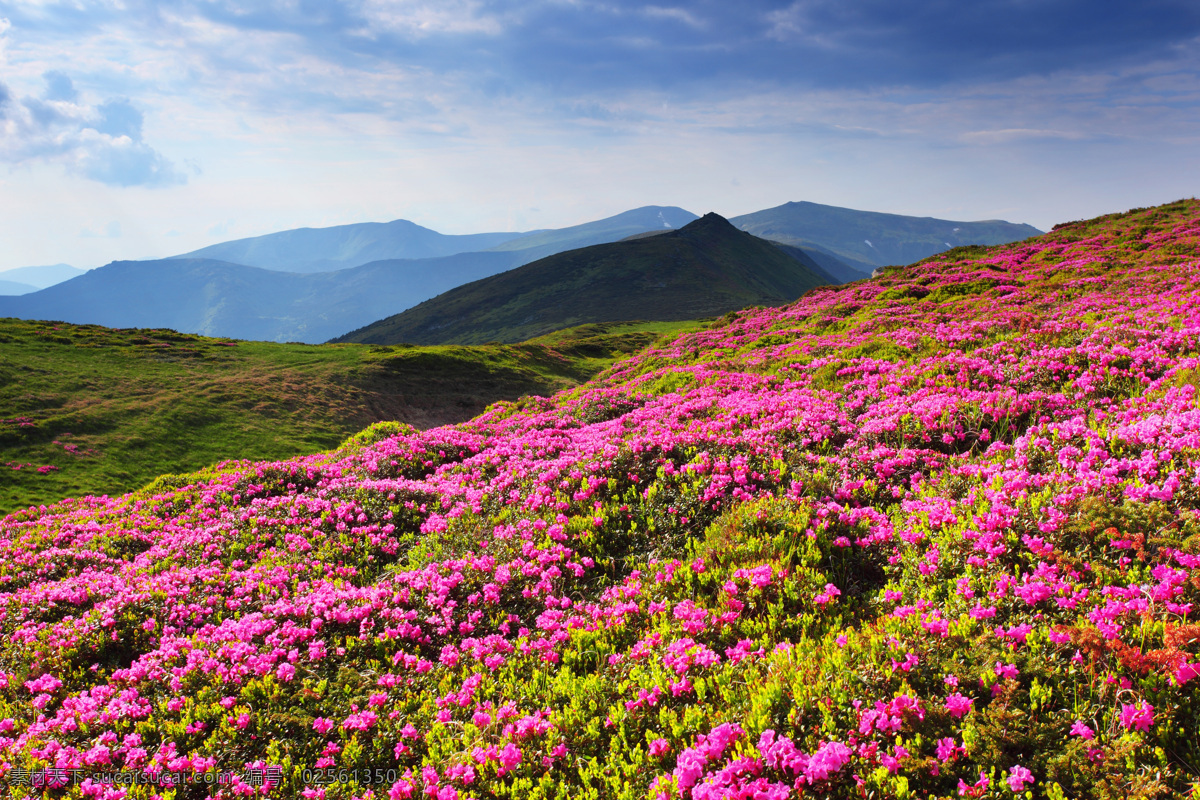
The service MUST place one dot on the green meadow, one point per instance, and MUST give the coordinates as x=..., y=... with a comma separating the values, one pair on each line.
x=88, y=410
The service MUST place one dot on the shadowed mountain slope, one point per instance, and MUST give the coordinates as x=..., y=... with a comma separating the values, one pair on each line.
x=704, y=269
x=90, y=410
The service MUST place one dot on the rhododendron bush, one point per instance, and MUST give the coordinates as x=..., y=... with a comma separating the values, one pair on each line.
x=935, y=534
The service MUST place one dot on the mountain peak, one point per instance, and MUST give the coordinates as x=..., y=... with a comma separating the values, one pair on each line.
x=709, y=226
x=706, y=268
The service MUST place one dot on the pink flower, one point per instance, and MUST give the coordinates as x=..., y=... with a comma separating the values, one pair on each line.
x=401, y=790
x=828, y=759
x=1006, y=670
x=509, y=756
x=659, y=747
x=947, y=749
x=1018, y=776
x=46, y=683
x=322, y=725
x=828, y=595
x=1137, y=717
x=363, y=720
x=1186, y=672
x=958, y=705
x=1082, y=730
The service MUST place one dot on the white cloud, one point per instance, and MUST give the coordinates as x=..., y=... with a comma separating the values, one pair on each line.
x=795, y=24
x=1007, y=135
x=100, y=142
x=415, y=18
x=675, y=13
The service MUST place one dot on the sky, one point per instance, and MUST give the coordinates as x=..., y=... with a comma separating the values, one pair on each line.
x=134, y=129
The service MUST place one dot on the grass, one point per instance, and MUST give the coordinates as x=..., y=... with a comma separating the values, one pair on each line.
x=104, y=411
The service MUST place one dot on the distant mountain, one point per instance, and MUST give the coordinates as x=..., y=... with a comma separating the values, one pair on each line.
x=40, y=277
x=647, y=219
x=219, y=297
x=824, y=263
x=869, y=239
x=13, y=287
x=345, y=246
x=216, y=298
x=705, y=268
x=268, y=288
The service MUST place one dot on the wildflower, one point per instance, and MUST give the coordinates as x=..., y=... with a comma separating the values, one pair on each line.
x=1185, y=672
x=509, y=757
x=1137, y=717
x=1080, y=729
x=958, y=705
x=828, y=595
x=1018, y=776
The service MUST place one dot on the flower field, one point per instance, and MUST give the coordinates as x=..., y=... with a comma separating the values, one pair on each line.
x=936, y=534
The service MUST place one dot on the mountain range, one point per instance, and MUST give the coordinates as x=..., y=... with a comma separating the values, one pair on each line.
x=200, y=295
x=704, y=269
x=345, y=246
x=862, y=238
x=312, y=284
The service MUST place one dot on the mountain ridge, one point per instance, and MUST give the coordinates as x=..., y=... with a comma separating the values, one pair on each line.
x=329, y=304
x=874, y=237
x=703, y=269
x=344, y=246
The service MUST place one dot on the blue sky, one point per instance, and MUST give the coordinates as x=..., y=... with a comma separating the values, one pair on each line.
x=136, y=129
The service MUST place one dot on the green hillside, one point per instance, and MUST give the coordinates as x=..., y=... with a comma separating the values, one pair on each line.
x=707, y=268
x=92, y=410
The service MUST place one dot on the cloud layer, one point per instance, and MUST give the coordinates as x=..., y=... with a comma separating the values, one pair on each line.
x=617, y=45
x=101, y=142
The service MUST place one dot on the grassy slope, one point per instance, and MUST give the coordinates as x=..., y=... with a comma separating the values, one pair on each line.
x=704, y=269
x=133, y=404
